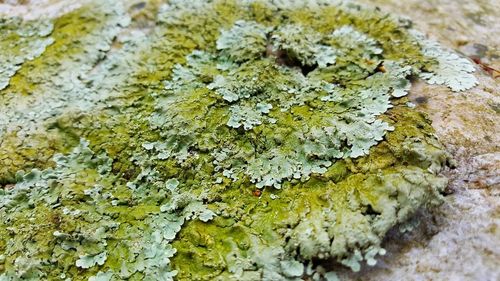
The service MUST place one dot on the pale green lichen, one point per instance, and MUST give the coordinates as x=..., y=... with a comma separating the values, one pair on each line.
x=244, y=41
x=231, y=140
x=88, y=261
x=249, y=117
x=450, y=70
x=20, y=42
x=102, y=276
x=302, y=44
x=357, y=46
x=257, y=81
x=77, y=42
x=86, y=245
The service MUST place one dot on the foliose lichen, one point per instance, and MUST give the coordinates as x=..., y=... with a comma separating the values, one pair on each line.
x=228, y=140
x=21, y=41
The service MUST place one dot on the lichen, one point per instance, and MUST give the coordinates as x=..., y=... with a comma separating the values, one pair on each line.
x=228, y=140
x=451, y=70
x=21, y=41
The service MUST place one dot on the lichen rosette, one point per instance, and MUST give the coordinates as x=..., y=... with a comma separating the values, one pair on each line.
x=228, y=140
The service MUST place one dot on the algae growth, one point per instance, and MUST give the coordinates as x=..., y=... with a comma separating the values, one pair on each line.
x=229, y=140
